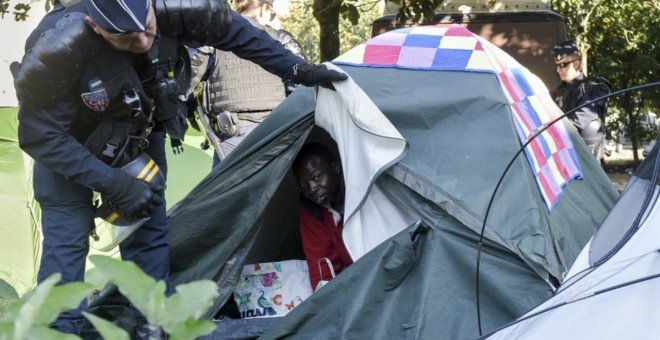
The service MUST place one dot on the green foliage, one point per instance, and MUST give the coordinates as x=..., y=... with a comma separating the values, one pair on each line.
x=306, y=31
x=107, y=329
x=350, y=12
x=4, y=8
x=178, y=315
x=143, y=291
x=30, y=317
x=416, y=11
x=20, y=10
x=8, y=296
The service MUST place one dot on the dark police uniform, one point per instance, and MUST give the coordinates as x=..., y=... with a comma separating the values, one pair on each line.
x=64, y=101
x=590, y=119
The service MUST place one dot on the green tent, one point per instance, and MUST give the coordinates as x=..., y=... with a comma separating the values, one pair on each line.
x=460, y=133
x=20, y=241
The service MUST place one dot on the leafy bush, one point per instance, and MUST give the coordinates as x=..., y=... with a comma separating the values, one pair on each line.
x=178, y=315
x=30, y=317
x=306, y=31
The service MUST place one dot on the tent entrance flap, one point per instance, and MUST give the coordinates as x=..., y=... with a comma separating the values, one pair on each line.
x=368, y=144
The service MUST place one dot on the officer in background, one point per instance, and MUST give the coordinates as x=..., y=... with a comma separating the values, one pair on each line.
x=100, y=85
x=577, y=89
x=238, y=94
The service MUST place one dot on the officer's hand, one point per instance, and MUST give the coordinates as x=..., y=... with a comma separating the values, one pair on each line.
x=316, y=74
x=132, y=197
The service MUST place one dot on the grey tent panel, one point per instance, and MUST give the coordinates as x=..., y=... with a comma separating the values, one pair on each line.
x=619, y=225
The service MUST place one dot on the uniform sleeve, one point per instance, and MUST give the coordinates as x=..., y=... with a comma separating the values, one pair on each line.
x=256, y=45
x=43, y=134
x=290, y=43
x=317, y=244
x=294, y=46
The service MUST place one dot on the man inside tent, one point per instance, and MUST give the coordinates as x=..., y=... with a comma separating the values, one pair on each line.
x=319, y=176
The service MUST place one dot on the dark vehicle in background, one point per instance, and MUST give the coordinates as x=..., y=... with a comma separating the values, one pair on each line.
x=526, y=30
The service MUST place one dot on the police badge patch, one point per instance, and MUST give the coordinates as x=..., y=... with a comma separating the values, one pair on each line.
x=97, y=99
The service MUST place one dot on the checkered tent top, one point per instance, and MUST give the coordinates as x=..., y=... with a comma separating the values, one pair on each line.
x=550, y=155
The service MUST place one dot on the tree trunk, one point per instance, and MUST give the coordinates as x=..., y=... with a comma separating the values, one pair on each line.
x=632, y=126
x=635, y=146
x=326, y=13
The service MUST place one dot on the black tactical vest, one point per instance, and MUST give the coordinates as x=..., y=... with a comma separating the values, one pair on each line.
x=241, y=86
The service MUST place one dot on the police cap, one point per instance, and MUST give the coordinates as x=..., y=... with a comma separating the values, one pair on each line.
x=565, y=49
x=119, y=16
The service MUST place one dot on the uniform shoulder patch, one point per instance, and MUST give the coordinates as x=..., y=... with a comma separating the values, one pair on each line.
x=97, y=98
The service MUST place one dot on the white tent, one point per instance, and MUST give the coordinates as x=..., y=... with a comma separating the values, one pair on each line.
x=611, y=292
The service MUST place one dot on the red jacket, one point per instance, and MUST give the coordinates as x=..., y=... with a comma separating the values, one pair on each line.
x=322, y=238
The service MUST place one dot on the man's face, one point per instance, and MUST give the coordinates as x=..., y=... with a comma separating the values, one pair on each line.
x=318, y=180
x=134, y=42
x=568, y=68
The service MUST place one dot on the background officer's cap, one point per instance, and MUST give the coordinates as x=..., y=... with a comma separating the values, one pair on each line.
x=119, y=16
x=564, y=49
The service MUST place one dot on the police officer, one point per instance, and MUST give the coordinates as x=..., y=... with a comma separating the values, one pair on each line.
x=100, y=85
x=238, y=94
x=577, y=89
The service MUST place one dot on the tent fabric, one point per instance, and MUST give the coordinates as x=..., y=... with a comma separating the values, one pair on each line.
x=20, y=246
x=451, y=140
x=415, y=286
x=617, y=272
x=454, y=48
x=419, y=283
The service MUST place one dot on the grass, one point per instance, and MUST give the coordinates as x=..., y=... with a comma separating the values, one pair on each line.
x=620, y=171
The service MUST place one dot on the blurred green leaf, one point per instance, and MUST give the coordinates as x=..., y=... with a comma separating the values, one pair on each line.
x=191, y=300
x=192, y=329
x=6, y=329
x=28, y=308
x=7, y=292
x=44, y=332
x=147, y=295
x=107, y=329
x=30, y=316
x=62, y=298
x=8, y=296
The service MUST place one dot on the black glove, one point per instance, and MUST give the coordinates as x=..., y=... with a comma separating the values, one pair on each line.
x=132, y=197
x=316, y=74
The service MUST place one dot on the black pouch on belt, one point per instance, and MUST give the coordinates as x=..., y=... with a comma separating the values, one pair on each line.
x=120, y=138
x=227, y=124
x=115, y=142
